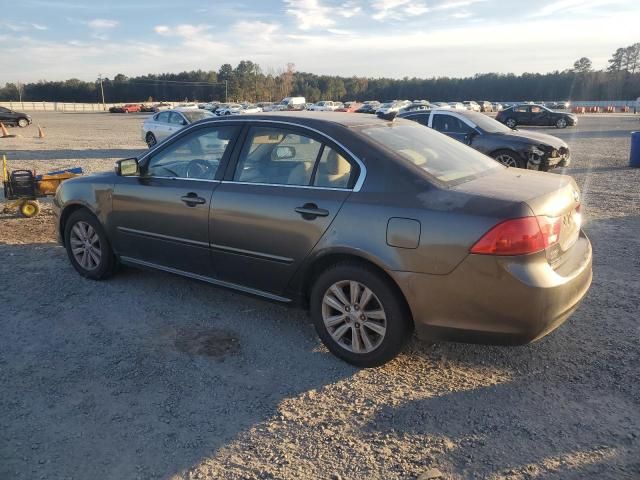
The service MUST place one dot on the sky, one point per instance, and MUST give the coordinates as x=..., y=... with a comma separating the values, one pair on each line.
x=61, y=39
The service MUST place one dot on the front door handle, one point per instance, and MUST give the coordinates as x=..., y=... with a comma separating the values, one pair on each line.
x=309, y=211
x=192, y=199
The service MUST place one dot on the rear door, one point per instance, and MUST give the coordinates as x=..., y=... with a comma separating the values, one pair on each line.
x=161, y=217
x=280, y=194
x=539, y=115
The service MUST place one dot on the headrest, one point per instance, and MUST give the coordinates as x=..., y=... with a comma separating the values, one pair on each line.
x=336, y=164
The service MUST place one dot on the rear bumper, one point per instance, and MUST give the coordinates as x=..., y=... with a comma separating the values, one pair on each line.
x=498, y=300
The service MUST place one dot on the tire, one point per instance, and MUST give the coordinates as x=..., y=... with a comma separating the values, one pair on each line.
x=511, y=122
x=94, y=269
x=561, y=123
x=30, y=208
x=390, y=315
x=509, y=158
x=23, y=122
x=151, y=140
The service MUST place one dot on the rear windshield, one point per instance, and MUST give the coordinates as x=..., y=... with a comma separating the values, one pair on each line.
x=440, y=156
x=195, y=115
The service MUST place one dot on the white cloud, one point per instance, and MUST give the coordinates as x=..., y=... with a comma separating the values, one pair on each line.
x=184, y=30
x=398, y=9
x=101, y=23
x=37, y=26
x=309, y=14
x=567, y=6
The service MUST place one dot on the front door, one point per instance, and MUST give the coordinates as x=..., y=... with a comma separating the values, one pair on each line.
x=276, y=203
x=161, y=217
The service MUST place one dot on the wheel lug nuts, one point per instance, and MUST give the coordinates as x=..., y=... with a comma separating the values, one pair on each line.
x=347, y=309
x=362, y=317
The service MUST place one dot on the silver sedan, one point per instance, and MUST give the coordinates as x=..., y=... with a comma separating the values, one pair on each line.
x=164, y=124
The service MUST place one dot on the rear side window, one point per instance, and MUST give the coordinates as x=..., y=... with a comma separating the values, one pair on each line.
x=449, y=124
x=334, y=171
x=521, y=109
x=441, y=157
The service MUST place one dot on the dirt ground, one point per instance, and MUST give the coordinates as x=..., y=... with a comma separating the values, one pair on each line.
x=149, y=375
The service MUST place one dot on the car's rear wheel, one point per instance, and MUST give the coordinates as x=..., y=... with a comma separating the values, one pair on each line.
x=508, y=158
x=151, y=139
x=511, y=122
x=561, y=123
x=23, y=122
x=87, y=246
x=359, y=315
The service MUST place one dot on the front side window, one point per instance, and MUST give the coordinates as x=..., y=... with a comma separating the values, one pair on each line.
x=163, y=117
x=277, y=156
x=439, y=156
x=197, y=155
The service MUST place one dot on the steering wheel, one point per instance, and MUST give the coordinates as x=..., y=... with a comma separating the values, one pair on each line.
x=199, y=168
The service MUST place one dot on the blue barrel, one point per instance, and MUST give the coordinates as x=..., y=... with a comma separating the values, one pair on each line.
x=634, y=156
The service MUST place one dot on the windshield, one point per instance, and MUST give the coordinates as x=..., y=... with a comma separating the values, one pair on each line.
x=486, y=123
x=196, y=115
x=440, y=156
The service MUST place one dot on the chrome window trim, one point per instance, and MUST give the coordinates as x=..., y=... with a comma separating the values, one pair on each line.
x=262, y=184
x=356, y=188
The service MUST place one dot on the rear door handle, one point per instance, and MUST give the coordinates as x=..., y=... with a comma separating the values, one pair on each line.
x=192, y=199
x=309, y=211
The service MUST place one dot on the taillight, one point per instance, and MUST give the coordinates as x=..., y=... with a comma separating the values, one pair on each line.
x=519, y=236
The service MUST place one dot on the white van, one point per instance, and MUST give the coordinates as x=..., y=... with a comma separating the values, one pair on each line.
x=293, y=103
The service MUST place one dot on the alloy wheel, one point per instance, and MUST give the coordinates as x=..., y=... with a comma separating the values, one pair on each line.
x=561, y=123
x=511, y=123
x=507, y=160
x=85, y=245
x=354, y=316
x=23, y=122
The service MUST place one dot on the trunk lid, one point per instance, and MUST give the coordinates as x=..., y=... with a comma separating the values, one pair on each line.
x=555, y=197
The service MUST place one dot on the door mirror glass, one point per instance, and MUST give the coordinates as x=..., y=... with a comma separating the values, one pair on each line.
x=284, y=152
x=127, y=167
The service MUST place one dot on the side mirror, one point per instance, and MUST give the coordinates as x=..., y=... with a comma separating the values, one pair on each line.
x=128, y=167
x=468, y=138
x=284, y=152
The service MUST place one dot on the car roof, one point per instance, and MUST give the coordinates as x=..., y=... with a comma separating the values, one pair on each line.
x=349, y=120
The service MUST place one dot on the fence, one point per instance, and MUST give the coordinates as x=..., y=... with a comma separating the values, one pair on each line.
x=58, y=106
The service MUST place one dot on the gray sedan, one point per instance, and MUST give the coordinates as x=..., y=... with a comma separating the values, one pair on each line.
x=378, y=227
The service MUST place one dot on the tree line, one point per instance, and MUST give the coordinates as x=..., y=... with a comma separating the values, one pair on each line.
x=248, y=82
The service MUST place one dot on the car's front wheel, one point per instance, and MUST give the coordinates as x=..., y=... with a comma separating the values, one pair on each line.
x=151, y=139
x=511, y=123
x=87, y=246
x=23, y=122
x=561, y=123
x=508, y=158
x=359, y=315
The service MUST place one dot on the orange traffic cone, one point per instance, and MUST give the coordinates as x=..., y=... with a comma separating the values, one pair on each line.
x=5, y=133
x=40, y=132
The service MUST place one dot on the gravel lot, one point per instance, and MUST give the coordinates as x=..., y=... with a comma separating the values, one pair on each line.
x=149, y=375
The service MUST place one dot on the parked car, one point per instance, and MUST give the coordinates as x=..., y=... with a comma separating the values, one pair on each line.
x=229, y=109
x=538, y=115
x=471, y=105
x=513, y=148
x=441, y=105
x=147, y=108
x=368, y=108
x=158, y=107
x=497, y=107
x=163, y=124
x=405, y=229
x=293, y=103
x=350, y=107
x=389, y=107
x=457, y=106
x=323, y=106
x=10, y=117
x=128, y=108
x=486, y=106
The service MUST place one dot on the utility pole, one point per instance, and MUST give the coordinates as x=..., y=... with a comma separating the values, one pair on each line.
x=104, y=107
